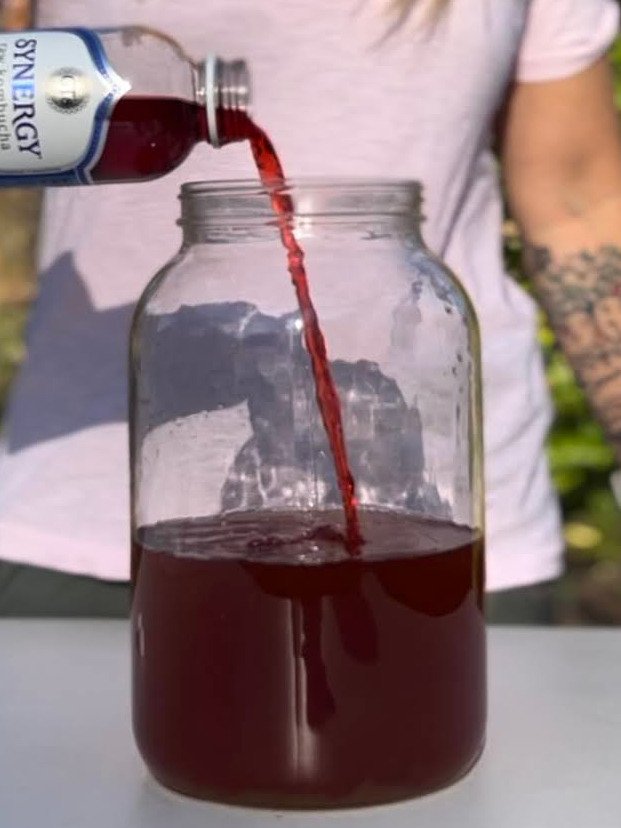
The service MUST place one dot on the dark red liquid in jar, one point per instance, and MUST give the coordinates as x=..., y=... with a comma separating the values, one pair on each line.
x=272, y=668
x=148, y=137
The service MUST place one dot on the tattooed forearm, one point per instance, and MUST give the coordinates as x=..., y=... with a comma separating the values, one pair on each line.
x=582, y=295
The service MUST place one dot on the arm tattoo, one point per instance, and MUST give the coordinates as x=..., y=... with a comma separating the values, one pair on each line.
x=581, y=294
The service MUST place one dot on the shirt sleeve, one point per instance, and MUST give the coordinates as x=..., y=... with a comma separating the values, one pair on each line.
x=563, y=37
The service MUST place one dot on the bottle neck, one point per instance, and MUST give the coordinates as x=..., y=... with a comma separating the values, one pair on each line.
x=223, y=89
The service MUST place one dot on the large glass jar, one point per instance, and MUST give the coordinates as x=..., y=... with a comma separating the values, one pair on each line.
x=271, y=664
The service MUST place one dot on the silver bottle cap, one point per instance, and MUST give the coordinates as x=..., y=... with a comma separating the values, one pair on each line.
x=227, y=87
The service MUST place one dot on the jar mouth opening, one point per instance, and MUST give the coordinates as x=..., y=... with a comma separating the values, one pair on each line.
x=208, y=201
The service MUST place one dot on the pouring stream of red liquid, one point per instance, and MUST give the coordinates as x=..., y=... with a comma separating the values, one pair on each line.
x=272, y=177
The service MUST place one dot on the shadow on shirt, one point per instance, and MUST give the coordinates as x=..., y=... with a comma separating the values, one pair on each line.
x=212, y=357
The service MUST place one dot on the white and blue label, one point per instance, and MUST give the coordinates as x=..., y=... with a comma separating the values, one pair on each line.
x=57, y=91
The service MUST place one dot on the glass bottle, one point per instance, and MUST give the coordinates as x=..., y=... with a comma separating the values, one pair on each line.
x=80, y=106
x=271, y=665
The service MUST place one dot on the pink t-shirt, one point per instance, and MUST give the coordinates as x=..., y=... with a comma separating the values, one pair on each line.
x=337, y=102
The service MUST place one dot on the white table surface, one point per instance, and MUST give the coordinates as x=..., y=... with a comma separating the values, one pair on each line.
x=67, y=759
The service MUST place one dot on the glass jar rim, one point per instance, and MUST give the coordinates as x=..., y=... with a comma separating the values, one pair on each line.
x=246, y=199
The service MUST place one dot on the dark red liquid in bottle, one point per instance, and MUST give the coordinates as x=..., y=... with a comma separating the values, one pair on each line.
x=272, y=668
x=148, y=137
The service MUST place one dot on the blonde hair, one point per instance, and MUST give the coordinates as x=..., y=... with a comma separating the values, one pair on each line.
x=400, y=9
x=405, y=6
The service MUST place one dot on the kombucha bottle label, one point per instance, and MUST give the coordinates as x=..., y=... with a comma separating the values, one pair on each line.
x=57, y=90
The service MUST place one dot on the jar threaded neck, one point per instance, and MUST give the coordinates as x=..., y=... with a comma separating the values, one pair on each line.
x=210, y=207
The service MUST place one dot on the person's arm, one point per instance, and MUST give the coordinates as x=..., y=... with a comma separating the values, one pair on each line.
x=561, y=155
